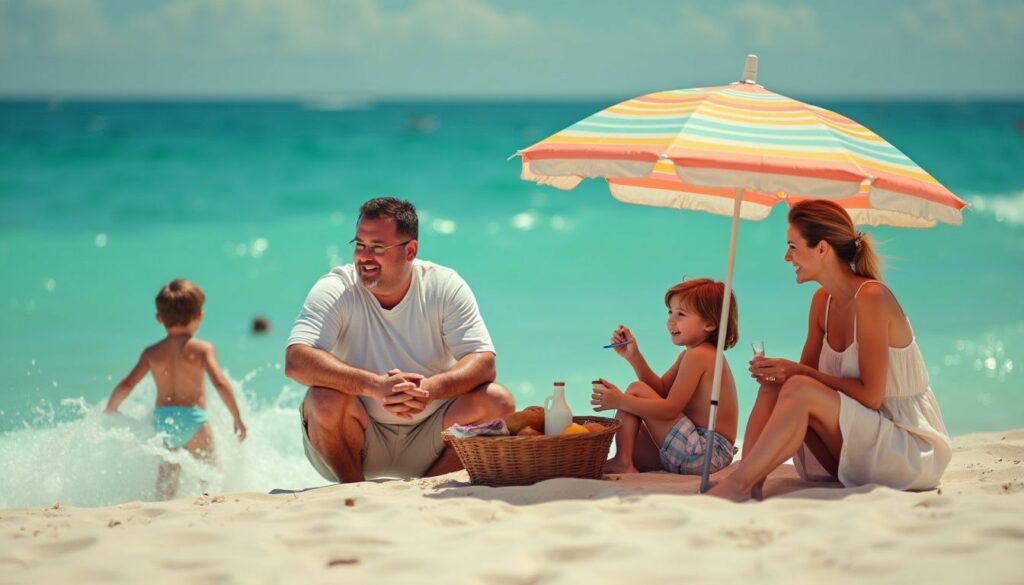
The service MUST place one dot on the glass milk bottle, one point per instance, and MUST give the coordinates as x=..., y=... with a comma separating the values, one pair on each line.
x=557, y=415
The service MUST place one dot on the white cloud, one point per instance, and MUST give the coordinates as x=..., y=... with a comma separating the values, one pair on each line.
x=961, y=24
x=303, y=27
x=467, y=22
x=63, y=25
x=767, y=24
x=697, y=26
x=771, y=25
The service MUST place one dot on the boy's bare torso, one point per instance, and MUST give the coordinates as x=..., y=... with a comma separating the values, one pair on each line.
x=178, y=366
x=698, y=409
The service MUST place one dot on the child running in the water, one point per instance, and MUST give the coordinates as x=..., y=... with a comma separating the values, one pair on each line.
x=665, y=418
x=179, y=363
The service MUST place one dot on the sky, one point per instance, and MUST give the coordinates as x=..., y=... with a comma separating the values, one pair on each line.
x=496, y=49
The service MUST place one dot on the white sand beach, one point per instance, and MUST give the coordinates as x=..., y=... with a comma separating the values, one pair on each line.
x=647, y=528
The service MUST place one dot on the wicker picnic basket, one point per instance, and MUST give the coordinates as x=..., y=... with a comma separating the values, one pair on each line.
x=500, y=461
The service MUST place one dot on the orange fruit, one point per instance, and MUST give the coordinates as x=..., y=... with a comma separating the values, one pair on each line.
x=575, y=429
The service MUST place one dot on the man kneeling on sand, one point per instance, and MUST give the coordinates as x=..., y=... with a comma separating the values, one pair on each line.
x=394, y=350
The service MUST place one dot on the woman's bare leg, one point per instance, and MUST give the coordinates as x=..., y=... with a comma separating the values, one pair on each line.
x=803, y=403
x=767, y=396
x=821, y=452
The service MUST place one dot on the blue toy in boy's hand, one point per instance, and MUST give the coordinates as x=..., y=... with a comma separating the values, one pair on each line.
x=619, y=344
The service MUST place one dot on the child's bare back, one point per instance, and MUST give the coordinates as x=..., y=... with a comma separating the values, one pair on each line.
x=178, y=364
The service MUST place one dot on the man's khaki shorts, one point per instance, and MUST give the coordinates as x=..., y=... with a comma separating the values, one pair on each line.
x=390, y=450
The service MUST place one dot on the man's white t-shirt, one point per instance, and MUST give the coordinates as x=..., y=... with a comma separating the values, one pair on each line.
x=435, y=325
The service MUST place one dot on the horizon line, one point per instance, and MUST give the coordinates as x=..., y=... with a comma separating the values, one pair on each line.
x=369, y=97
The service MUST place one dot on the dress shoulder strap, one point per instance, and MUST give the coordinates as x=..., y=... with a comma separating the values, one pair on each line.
x=855, y=296
x=828, y=304
x=866, y=282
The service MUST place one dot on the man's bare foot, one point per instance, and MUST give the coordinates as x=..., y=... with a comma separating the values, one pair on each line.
x=616, y=466
x=729, y=491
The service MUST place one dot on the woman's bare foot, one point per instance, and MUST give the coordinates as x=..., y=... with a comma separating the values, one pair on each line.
x=616, y=466
x=729, y=491
x=757, y=492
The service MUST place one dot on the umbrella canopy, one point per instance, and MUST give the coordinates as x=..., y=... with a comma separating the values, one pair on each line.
x=739, y=149
x=691, y=148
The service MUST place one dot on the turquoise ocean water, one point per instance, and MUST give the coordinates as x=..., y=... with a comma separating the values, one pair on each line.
x=102, y=203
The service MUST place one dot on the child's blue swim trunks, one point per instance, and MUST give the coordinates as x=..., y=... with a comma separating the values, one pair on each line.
x=685, y=445
x=178, y=423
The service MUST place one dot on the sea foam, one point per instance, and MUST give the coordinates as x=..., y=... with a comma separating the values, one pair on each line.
x=98, y=459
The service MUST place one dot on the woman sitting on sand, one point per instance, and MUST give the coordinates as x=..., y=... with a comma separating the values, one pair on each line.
x=858, y=403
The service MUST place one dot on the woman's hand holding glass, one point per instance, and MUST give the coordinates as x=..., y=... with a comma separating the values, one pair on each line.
x=773, y=370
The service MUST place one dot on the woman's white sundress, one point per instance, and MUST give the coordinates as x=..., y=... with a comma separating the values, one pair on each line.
x=904, y=445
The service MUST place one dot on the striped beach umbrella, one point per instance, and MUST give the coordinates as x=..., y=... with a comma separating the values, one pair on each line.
x=738, y=150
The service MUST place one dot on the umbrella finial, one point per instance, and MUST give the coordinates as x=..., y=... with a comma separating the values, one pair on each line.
x=750, y=70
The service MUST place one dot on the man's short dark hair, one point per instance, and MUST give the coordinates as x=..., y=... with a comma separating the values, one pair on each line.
x=403, y=212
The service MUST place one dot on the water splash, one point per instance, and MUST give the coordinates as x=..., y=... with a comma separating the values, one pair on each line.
x=99, y=459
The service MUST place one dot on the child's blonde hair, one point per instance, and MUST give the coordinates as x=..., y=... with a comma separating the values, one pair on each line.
x=705, y=296
x=179, y=302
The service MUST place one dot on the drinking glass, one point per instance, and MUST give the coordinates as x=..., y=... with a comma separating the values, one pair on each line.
x=758, y=347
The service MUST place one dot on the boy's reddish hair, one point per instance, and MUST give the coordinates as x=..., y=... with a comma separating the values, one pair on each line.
x=179, y=302
x=705, y=296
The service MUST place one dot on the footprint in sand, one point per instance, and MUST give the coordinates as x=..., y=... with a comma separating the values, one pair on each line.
x=533, y=579
x=248, y=516
x=568, y=554
x=12, y=563
x=363, y=543
x=183, y=565
x=53, y=549
x=1007, y=532
x=212, y=579
x=395, y=567
x=188, y=538
x=151, y=512
x=954, y=549
x=651, y=523
x=322, y=528
x=94, y=575
x=450, y=521
x=566, y=529
x=481, y=514
x=749, y=536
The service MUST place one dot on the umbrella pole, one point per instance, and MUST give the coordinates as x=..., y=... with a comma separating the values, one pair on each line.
x=723, y=330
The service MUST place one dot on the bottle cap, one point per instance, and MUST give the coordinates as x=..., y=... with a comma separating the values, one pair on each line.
x=559, y=383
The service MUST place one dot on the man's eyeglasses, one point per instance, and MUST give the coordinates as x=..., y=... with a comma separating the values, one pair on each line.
x=375, y=249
